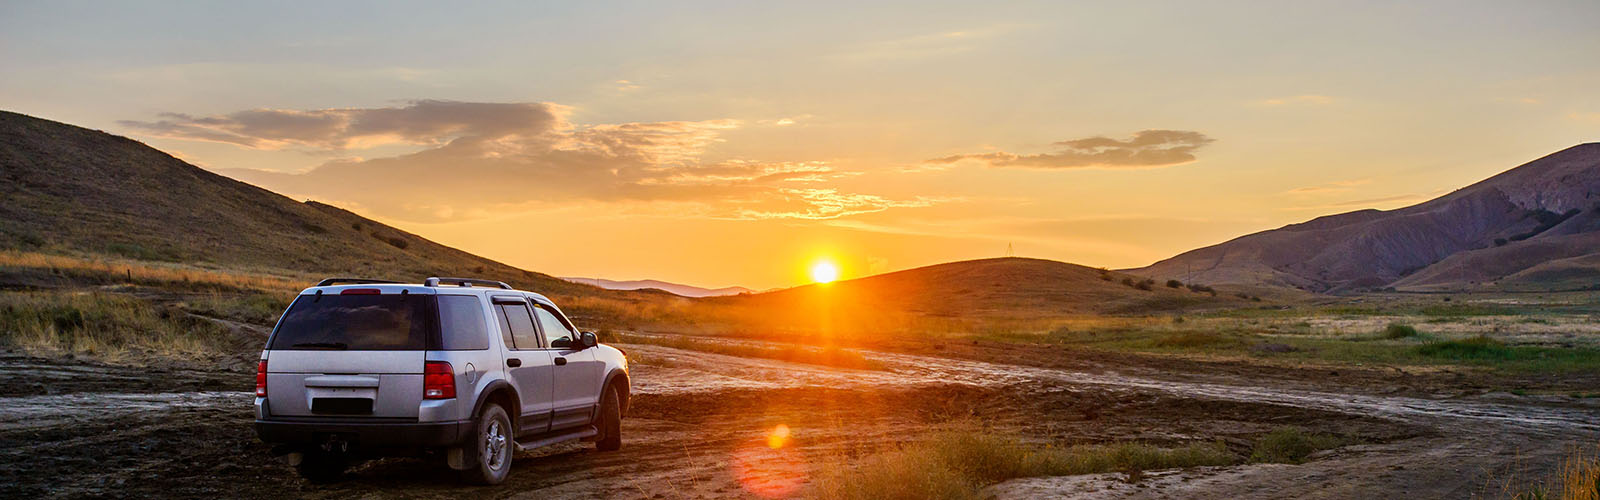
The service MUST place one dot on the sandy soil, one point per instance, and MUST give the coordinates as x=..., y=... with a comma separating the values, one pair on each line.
x=700, y=426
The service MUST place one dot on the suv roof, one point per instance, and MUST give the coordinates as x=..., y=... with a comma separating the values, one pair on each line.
x=430, y=286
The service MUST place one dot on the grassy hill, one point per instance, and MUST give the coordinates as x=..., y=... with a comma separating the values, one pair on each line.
x=971, y=294
x=71, y=189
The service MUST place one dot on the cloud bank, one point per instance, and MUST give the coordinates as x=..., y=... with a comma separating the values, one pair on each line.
x=480, y=158
x=1148, y=148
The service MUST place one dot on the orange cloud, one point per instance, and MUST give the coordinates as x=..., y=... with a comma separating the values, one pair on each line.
x=1147, y=148
x=490, y=157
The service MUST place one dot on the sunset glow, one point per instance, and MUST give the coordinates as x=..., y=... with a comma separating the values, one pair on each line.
x=824, y=271
x=1101, y=134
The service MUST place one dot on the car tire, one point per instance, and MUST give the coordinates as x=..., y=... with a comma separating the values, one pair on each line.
x=492, y=441
x=610, y=422
x=322, y=466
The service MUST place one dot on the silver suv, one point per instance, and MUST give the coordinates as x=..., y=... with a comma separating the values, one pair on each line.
x=465, y=368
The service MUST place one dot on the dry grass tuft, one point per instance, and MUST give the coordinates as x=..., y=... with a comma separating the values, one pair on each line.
x=956, y=464
x=111, y=270
x=1577, y=479
x=105, y=326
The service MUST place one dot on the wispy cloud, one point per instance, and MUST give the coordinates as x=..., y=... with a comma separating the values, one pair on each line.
x=925, y=45
x=1394, y=201
x=1302, y=100
x=1145, y=149
x=480, y=157
x=427, y=122
x=1330, y=187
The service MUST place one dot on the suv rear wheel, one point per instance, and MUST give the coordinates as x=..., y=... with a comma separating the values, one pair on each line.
x=610, y=425
x=494, y=446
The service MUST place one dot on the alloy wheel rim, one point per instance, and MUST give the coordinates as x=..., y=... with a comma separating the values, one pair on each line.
x=494, y=446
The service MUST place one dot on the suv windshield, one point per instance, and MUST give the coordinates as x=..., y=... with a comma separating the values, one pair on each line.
x=356, y=322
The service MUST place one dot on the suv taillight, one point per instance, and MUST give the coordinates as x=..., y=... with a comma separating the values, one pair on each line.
x=438, y=380
x=261, y=379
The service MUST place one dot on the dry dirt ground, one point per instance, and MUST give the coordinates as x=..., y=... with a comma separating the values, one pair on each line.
x=700, y=424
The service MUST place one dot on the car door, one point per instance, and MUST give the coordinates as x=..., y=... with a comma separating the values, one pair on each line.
x=528, y=364
x=577, y=388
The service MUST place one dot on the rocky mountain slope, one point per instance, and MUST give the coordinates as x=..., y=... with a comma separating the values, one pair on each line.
x=1534, y=227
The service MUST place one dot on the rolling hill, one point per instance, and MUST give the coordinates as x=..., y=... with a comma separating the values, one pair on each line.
x=1010, y=287
x=1535, y=227
x=673, y=288
x=71, y=189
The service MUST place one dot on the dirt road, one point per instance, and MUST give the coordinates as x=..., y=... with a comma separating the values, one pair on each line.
x=701, y=422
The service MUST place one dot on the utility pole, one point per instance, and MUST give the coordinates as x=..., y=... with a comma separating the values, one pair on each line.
x=1010, y=250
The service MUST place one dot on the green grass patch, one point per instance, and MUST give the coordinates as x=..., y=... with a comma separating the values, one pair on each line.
x=1479, y=348
x=956, y=464
x=1194, y=339
x=1291, y=445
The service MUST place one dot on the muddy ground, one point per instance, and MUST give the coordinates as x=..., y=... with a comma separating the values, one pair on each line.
x=700, y=423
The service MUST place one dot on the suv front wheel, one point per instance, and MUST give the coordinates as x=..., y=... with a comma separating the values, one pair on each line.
x=494, y=446
x=610, y=424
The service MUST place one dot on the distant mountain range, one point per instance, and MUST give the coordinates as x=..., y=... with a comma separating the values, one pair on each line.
x=674, y=288
x=1535, y=227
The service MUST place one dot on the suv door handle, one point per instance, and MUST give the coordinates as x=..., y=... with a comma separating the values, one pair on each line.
x=513, y=362
x=561, y=361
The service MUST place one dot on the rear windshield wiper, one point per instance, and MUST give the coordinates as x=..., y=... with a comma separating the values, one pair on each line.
x=323, y=345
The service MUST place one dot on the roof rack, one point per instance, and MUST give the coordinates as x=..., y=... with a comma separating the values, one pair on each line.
x=435, y=281
x=354, y=281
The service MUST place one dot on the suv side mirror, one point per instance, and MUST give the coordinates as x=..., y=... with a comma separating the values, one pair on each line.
x=587, y=340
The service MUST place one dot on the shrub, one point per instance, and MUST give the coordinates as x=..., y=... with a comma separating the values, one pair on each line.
x=397, y=242
x=1145, y=285
x=1127, y=281
x=1398, y=331
x=1291, y=445
x=1174, y=284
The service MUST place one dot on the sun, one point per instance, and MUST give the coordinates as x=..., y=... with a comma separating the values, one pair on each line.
x=824, y=271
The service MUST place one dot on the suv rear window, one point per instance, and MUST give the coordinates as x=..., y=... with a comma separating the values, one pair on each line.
x=462, y=324
x=388, y=322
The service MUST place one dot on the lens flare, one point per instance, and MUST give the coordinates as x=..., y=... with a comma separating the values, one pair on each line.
x=771, y=469
x=778, y=437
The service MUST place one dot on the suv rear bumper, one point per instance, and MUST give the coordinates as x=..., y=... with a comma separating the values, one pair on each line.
x=366, y=434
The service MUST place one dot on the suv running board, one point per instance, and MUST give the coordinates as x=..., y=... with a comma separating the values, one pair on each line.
x=581, y=433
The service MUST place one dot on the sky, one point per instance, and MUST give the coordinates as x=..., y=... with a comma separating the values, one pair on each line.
x=737, y=143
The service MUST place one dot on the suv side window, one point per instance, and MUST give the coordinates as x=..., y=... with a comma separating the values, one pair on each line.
x=461, y=325
x=517, y=322
x=558, y=333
